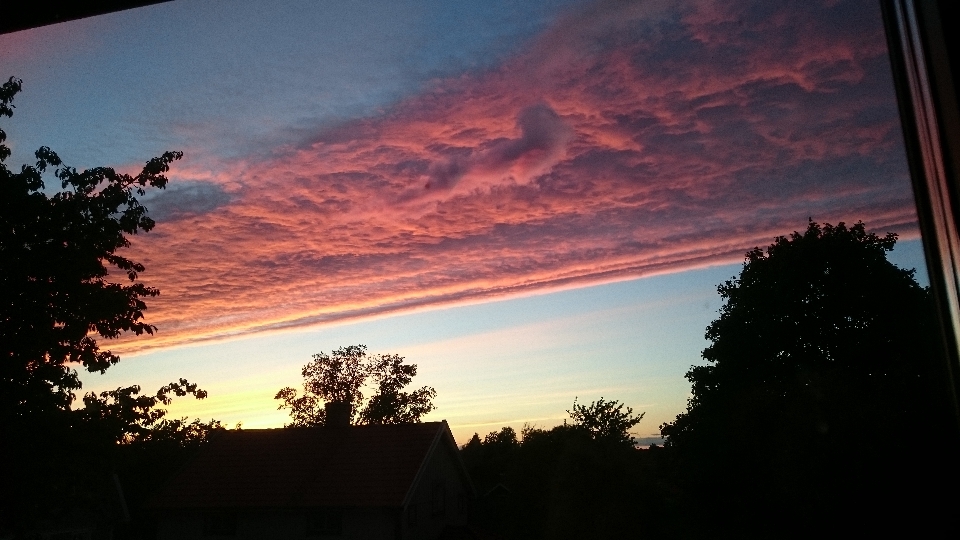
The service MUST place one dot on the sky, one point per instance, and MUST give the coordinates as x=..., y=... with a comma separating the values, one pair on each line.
x=532, y=201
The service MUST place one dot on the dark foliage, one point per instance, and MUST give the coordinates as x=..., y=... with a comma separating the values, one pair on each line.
x=58, y=264
x=55, y=295
x=342, y=376
x=822, y=407
x=390, y=404
x=821, y=402
x=605, y=420
x=567, y=482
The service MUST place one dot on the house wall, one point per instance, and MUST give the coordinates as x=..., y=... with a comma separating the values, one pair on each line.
x=256, y=524
x=441, y=498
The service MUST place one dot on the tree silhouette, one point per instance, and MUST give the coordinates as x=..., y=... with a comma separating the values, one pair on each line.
x=55, y=296
x=390, y=405
x=605, y=420
x=58, y=253
x=581, y=479
x=823, y=356
x=342, y=376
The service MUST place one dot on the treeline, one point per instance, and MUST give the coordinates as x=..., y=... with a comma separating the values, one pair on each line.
x=824, y=405
x=568, y=482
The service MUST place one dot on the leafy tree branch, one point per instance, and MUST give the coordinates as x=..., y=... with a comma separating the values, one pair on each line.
x=344, y=375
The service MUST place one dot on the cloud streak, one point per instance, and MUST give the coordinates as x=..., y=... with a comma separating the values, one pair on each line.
x=628, y=139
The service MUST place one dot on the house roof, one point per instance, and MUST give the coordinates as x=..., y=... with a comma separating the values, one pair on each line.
x=306, y=467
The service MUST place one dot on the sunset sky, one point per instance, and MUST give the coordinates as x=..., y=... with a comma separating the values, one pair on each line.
x=533, y=201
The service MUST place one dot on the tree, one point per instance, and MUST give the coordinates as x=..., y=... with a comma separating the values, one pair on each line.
x=390, y=405
x=823, y=350
x=605, y=420
x=580, y=479
x=55, y=292
x=60, y=252
x=342, y=376
x=129, y=434
x=123, y=416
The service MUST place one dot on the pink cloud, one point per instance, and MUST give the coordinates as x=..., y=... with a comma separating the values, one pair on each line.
x=626, y=141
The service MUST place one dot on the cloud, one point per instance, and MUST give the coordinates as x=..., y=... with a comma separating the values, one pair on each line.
x=184, y=198
x=543, y=138
x=542, y=141
x=629, y=139
x=446, y=174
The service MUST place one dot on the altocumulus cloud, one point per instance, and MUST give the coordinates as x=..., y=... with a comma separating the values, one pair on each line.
x=627, y=139
x=184, y=198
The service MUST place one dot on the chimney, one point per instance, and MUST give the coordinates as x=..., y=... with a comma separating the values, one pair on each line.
x=338, y=413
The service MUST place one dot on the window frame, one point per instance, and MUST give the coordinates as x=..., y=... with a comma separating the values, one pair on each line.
x=924, y=71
